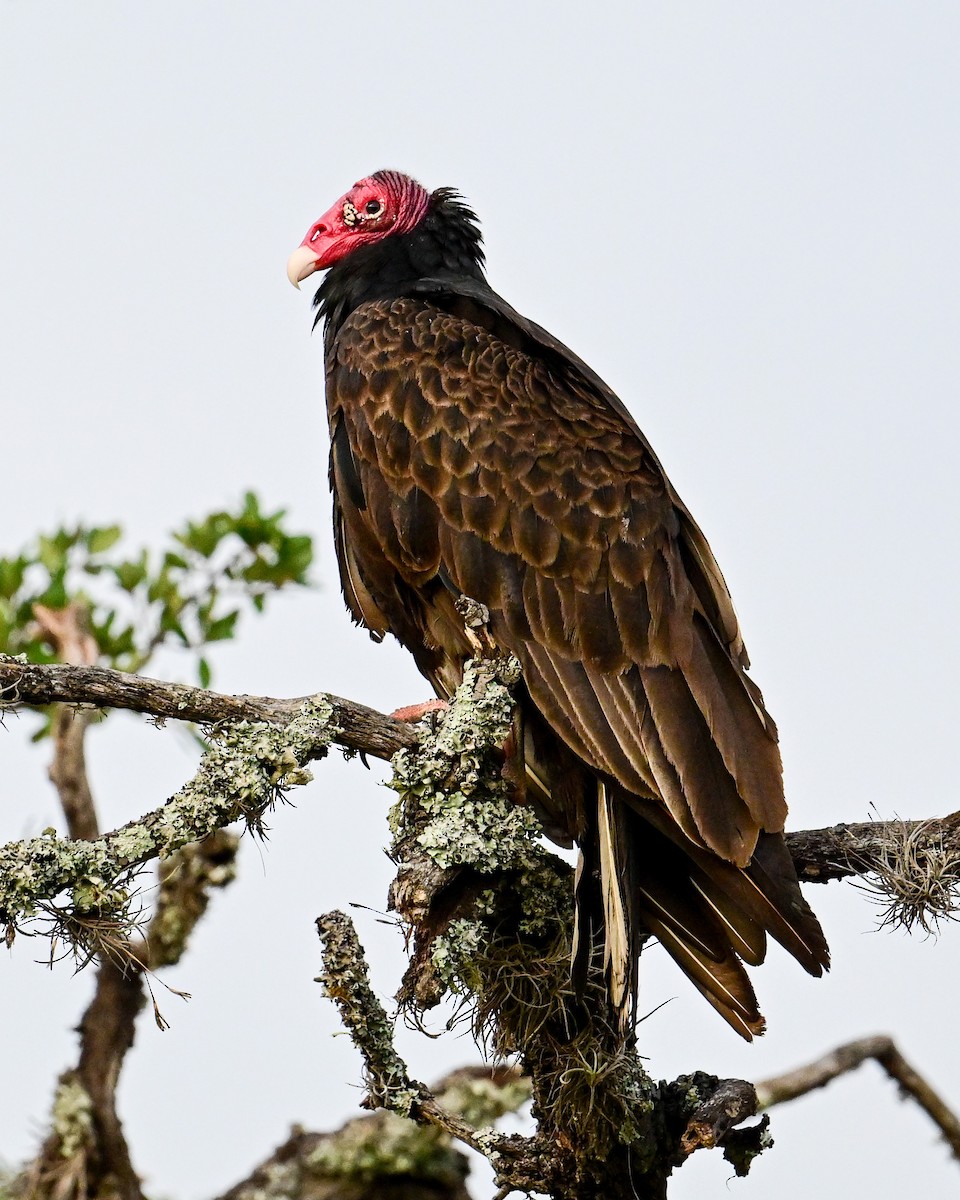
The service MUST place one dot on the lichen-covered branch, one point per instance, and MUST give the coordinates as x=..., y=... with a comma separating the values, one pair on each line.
x=345, y=980
x=187, y=878
x=358, y=728
x=85, y=1152
x=247, y=767
x=382, y=1154
x=782, y=1088
x=912, y=868
x=821, y=855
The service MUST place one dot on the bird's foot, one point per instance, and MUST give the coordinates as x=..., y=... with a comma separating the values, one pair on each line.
x=411, y=713
x=475, y=619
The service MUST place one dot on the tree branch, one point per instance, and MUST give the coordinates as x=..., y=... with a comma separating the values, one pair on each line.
x=345, y=979
x=67, y=631
x=837, y=852
x=487, y=905
x=487, y=912
x=912, y=868
x=246, y=769
x=80, y=1159
x=820, y=855
x=359, y=728
x=782, y=1088
x=915, y=866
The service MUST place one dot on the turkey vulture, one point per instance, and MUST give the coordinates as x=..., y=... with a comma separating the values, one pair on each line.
x=474, y=455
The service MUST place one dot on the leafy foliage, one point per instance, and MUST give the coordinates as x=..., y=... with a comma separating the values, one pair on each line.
x=187, y=594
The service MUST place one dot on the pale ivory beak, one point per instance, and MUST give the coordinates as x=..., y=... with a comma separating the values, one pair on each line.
x=301, y=263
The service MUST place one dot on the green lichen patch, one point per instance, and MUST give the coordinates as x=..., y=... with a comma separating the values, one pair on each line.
x=388, y=1146
x=460, y=802
x=72, y=1116
x=481, y=1099
x=455, y=953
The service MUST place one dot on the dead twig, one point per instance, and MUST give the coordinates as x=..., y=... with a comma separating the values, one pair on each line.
x=782, y=1088
x=839, y=851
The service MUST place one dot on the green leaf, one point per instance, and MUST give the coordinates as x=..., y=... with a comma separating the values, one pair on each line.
x=206, y=537
x=46, y=728
x=55, y=593
x=169, y=623
x=6, y=629
x=162, y=587
x=51, y=555
x=12, y=571
x=221, y=629
x=296, y=555
x=167, y=595
x=132, y=573
x=100, y=540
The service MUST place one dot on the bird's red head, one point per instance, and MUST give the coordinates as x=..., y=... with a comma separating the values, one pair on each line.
x=385, y=203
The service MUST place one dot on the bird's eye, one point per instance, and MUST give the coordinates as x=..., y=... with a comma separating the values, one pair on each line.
x=373, y=208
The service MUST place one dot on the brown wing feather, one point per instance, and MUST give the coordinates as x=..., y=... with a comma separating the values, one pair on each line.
x=464, y=465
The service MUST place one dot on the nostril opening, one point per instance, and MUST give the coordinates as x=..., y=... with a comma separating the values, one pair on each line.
x=317, y=231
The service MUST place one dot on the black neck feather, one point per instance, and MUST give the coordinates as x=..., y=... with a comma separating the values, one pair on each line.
x=445, y=245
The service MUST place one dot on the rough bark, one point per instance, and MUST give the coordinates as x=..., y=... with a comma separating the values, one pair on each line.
x=359, y=728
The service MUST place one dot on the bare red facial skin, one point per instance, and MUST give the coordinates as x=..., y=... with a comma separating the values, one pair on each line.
x=384, y=203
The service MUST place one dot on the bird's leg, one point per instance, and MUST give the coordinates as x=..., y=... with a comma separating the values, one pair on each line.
x=475, y=617
x=514, y=770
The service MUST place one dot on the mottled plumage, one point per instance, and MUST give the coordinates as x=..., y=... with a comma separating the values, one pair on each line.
x=473, y=454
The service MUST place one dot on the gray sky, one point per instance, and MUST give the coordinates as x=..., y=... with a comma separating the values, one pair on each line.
x=744, y=216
